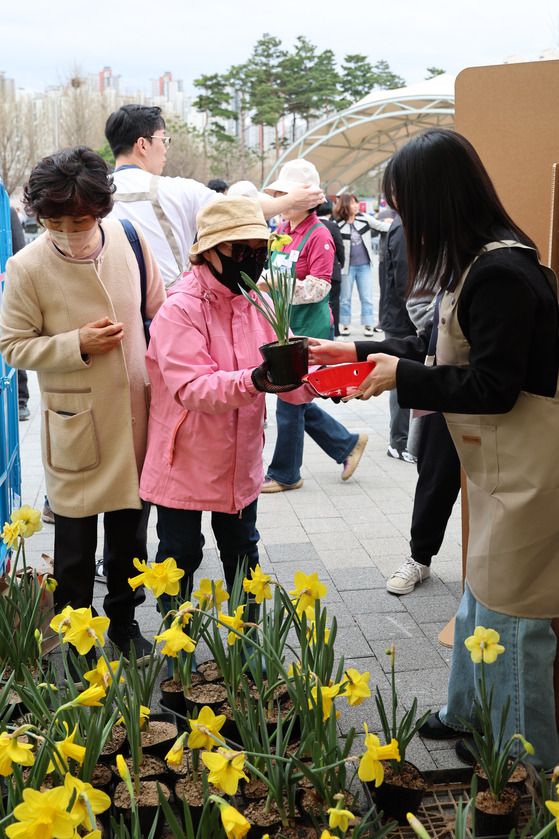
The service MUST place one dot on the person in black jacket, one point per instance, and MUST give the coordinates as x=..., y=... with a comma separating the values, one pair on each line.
x=396, y=323
x=324, y=212
x=493, y=370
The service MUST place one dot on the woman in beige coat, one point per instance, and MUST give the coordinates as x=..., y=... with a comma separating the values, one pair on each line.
x=72, y=311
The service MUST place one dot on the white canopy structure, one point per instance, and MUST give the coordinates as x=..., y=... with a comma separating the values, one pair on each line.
x=350, y=143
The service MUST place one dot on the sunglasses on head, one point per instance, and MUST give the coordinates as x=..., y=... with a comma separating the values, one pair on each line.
x=239, y=252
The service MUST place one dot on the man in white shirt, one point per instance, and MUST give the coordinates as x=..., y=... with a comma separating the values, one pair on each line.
x=166, y=208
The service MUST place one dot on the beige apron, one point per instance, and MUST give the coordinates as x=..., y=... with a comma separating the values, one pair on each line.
x=512, y=464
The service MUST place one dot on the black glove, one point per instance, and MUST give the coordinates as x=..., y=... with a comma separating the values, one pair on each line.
x=262, y=381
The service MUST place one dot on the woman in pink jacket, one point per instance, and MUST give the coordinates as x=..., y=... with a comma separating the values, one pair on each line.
x=206, y=425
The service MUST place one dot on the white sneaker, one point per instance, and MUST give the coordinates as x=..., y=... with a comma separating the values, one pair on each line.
x=403, y=580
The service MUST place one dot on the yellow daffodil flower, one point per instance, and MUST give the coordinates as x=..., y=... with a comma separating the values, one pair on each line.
x=99, y=801
x=484, y=644
x=12, y=751
x=418, y=828
x=144, y=716
x=50, y=584
x=66, y=749
x=61, y=621
x=328, y=694
x=357, y=688
x=234, y=824
x=84, y=630
x=311, y=634
x=370, y=766
x=90, y=697
x=44, y=814
x=226, y=769
x=339, y=818
x=307, y=590
x=159, y=577
x=206, y=724
x=185, y=613
x=327, y=835
x=278, y=240
x=553, y=807
x=293, y=668
x=175, y=640
x=206, y=598
x=174, y=755
x=258, y=585
x=122, y=767
x=235, y=622
x=29, y=520
x=11, y=533
x=527, y=746
x=102, y=676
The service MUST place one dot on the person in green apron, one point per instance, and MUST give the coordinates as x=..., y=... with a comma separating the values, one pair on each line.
x=494, y=373
x=311, y=255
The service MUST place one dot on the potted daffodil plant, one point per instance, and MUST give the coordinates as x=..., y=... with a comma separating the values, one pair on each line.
x=288, y=356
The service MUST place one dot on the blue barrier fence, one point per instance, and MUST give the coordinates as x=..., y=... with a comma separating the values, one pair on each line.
x=10, y=465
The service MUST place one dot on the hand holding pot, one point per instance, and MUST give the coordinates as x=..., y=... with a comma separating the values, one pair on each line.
x=330, y=352
x=262, y=381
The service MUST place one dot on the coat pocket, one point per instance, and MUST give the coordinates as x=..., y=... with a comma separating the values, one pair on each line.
x=477, y=449
x=71, y=441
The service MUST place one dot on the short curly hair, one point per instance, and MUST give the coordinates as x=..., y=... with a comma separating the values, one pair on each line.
x=70, y=182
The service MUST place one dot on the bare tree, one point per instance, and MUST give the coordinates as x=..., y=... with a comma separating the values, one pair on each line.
x=18, y=147
x=82, y=113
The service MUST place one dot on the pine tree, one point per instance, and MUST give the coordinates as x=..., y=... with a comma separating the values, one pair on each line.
x=212, y=101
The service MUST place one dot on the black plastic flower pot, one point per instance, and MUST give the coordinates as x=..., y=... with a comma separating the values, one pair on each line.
x=288, y=363
x=172, y=697
x=147, y=813
x=160, y=746
x=497, y=823
x=396, y=800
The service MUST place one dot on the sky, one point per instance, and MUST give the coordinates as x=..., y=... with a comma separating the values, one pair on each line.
x=41, y=43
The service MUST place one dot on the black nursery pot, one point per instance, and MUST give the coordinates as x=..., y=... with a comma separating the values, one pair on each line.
x=395, y=800
x=287, y=362
x=497, y=824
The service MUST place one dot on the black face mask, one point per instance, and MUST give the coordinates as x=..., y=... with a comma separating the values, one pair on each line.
x=231, y=271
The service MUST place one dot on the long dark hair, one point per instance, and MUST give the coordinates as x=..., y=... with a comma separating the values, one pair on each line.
x=448, y=205
x=341, y=210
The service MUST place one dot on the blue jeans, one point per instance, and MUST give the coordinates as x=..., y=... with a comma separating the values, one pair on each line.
x=361, y=274
x=292, y=422
x=524, y=672
x=180, y=536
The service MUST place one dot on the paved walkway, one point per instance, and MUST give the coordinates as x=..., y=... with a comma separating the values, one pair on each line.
x=354, y=534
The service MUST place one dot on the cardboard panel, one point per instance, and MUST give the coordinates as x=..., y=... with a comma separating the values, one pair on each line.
x=509, y=113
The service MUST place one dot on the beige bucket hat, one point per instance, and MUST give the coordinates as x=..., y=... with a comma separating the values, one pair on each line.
x=229, y=219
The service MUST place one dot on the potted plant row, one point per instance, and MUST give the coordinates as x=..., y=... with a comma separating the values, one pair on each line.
x=286, y=769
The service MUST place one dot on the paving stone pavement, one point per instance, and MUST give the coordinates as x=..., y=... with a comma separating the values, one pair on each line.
x=354, y=534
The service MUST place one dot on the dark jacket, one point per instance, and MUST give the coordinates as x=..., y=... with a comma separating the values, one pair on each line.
x=339, y=245
x=509, y=316
x=395, y=319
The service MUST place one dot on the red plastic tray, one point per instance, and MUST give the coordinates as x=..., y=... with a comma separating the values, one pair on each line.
x=339, y=380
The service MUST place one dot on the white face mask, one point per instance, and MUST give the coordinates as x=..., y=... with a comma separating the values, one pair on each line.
x=73, y=244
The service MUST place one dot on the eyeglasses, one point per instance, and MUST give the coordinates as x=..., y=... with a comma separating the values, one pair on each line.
x=239, y=252
x=166, y=140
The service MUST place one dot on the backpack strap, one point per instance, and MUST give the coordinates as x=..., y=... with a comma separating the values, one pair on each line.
x=136, y=245
x=153, y=197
